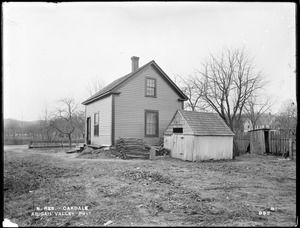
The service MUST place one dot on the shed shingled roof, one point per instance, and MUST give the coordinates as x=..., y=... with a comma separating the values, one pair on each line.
x=205, y=123
x=110, y=88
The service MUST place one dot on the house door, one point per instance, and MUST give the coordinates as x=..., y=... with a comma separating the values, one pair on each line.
x=88, y=130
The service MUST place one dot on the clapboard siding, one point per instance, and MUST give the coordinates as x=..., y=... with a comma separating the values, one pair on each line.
x=104, y=107
x=213, y=147
x=204, y=136
x=131, y=104
x=178, y=122
x=181, y=146
x=199, y=148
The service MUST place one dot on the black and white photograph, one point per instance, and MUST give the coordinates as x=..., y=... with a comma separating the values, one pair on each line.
x=152, y=113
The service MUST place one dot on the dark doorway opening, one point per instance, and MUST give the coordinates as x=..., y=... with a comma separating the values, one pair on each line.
x=88, y=130
x=267, y=141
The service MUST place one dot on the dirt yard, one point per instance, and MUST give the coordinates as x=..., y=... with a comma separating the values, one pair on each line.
x=53, y=188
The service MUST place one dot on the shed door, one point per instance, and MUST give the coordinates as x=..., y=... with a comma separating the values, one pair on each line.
x=177, y=146
x=182, y=146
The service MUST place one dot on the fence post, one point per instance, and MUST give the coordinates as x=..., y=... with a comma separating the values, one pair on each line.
x=291, y=148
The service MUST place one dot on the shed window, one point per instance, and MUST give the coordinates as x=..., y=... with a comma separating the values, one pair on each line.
x=150, y=87
x=151, y=123
x=96, y=124
x=177, y=130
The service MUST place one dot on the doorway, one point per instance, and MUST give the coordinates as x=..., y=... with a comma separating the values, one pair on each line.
x=88, y=130
x=266, y=134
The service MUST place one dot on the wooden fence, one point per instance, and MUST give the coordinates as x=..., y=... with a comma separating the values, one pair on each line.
x=52, y=144
x=243, y=142
x=278, y=143
x=27, y=140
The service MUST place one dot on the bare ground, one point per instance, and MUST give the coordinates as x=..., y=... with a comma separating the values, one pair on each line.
x=163, y=192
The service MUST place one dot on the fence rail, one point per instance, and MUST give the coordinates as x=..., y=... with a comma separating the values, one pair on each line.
x=52, y=144
x=26, y=141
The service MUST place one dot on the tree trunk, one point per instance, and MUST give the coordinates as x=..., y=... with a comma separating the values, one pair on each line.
x=236, y=151
x=70, y=140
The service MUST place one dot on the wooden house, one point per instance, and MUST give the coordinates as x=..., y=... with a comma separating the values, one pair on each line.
x=137, y=105
x=266, y=120
x=198, y=136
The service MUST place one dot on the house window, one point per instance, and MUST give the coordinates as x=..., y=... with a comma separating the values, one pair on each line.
x=150, y=87
x=96, y=124
x=151, y=123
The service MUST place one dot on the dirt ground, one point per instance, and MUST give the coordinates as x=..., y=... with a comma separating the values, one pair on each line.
x=48, y=187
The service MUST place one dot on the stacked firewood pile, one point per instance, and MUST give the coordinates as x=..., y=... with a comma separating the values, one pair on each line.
x=161, y=151
x=132, y=148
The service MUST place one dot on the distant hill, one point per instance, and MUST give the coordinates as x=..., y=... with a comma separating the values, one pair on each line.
x=15, y=122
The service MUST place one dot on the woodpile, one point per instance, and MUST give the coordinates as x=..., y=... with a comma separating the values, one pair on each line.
x=130, y=148
x=161, y=151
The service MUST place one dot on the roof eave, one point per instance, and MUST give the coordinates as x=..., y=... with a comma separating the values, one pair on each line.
x=99, y=97
x=181, y=99
x=184, y=97
x=112, y=91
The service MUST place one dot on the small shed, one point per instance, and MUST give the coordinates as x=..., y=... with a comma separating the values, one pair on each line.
x=259, y=141
x=198, y=136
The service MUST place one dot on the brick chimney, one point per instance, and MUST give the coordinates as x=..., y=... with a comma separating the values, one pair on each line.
x=134, y=63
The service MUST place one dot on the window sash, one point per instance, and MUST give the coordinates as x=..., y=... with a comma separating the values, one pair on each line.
x=151, y=87
x=96, y=130
x=96, y=118
x=151, y=123
x=96, y=124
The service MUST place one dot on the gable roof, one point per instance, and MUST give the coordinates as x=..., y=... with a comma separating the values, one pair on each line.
x=111, y=88
x=205, y=123
x=265, y=119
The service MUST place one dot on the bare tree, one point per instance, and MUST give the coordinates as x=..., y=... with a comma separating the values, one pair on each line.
x=255, y=107
x=286, y=119
x=94, y=86
x=80, y=122
x=65, y=118
x=194, y=92
x=11, y=128
x=45, y=129
x=33, y=130
x=229, y=80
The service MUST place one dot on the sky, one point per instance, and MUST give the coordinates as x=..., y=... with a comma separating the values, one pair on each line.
x=54, y=50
